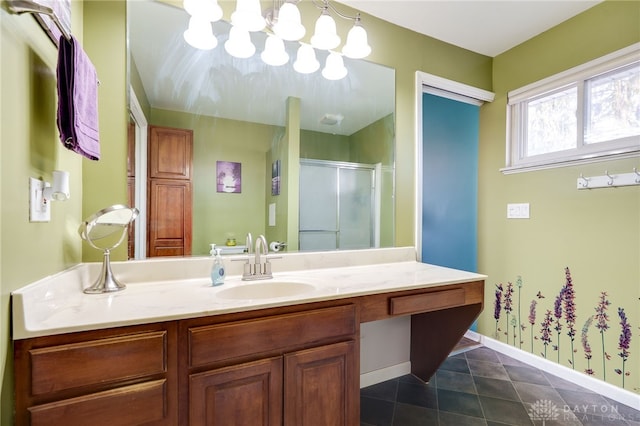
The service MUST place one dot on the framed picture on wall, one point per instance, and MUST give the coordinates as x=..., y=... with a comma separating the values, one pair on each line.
x=275, y=178
x=228, y=177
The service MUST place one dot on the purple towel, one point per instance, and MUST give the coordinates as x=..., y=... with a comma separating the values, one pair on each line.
x=77, y=100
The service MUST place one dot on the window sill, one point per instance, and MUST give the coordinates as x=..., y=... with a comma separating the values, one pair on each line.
x=531, y=167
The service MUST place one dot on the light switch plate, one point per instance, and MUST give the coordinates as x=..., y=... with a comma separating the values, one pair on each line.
x=38, y=211
x=518, y=211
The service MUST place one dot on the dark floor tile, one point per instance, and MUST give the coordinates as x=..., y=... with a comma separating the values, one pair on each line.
x=492, y=370
x=495, y=388
x=451, y=380
x=501, y=410
x=452, y=419
x=455, y=364
x=507, y=360
x=384, y=390
x=376, y=412
x=526, y=374
x=410, y=415
x=490, y=423
x=559, y=383
x=410, y=378
x=628, y=413
x=459, y=403
x=585, y=403
x=483, y=354
x=417, y=394
x=594, y=420
x=532, y=393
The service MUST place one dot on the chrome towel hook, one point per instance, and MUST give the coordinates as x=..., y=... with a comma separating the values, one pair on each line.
x=584, y=182
x=610, y=182
x=637, y=179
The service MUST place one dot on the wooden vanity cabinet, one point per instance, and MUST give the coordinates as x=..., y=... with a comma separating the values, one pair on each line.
x=294, y=365
x=292, y=369
x=122, y=376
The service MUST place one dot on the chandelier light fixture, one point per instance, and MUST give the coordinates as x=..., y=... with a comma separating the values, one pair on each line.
x=283, y=22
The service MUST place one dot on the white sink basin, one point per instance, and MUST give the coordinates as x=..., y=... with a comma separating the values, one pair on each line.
x=265, y=290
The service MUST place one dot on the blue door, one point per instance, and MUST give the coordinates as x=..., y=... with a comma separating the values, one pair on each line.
x=449, y=182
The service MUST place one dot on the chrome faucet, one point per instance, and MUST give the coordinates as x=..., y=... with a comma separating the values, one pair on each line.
x=255, y=268
x=261, y=246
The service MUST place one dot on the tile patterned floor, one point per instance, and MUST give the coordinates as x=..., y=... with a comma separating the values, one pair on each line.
x=484, y=387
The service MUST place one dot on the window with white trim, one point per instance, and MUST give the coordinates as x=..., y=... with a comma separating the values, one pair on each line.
x=588, y=113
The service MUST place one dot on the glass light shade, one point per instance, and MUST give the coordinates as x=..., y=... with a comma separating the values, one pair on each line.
x=206, y=9
x=248, y=15
x=274, y=53
x=357, y=46
x=239, y=43
x=199, y=34
x=288, y=25
x=306, y=61
x=334, y=68
x=325, y=37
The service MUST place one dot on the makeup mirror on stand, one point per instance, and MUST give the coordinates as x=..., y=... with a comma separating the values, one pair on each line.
x=105, y=230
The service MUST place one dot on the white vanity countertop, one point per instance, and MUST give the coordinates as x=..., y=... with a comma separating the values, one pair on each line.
x=168, y=289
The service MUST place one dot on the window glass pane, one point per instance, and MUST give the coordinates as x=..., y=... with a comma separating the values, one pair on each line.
x=551, y=122
x=613, y=109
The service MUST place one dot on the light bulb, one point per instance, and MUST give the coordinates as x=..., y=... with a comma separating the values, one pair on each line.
x=248, y=15
x=274, y=53
x=325, y=37
x=334, y=68
x=199, y=34
x=356, y=46
x=306, y=61
x=288, y=25
x=239, y=43
x=205, y=9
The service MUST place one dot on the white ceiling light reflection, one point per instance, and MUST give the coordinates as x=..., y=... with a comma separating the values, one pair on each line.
x=334, y=68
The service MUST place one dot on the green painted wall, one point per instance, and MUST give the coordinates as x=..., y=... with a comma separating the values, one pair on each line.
x=29, y=145
x=324, y=146
x=105, y=181
x=595, y=233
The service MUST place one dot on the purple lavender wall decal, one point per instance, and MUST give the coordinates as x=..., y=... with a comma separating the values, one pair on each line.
x=557, y=313
x=520, y=326
x=584, y=337
x=569, y=302
x=497, y=307
x=532, y=319
x=508, y=306
x=546, y=331
x=602, y=319
x=624, y=342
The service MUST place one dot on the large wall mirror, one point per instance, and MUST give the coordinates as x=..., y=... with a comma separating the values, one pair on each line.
x=307, y=161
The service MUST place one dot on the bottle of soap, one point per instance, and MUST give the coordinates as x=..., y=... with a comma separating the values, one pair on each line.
x=217, y=270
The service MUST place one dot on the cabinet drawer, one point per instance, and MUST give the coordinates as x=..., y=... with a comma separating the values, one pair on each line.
x=129, y=405
x=92, y=362
x=215, y=343
x=425, y=302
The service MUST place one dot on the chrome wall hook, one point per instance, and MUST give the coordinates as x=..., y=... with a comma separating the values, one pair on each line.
x=637, y=179
x=610, y=181
x=583, y=181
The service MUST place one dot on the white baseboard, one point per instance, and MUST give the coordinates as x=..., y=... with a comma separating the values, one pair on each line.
x=615, y=393
x=384, y=374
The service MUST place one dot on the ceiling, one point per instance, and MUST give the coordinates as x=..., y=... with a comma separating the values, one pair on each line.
x=486, y=27
x=177, y=77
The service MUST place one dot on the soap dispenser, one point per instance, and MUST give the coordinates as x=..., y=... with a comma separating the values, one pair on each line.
x=217, y=270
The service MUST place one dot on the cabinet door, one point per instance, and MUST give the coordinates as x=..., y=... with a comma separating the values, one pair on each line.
x=240, y=395
x=169, y=218
x=170, y=153
x=321, y=386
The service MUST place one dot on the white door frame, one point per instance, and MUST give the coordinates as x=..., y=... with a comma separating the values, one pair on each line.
x=429, y=83
x=140, y=196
